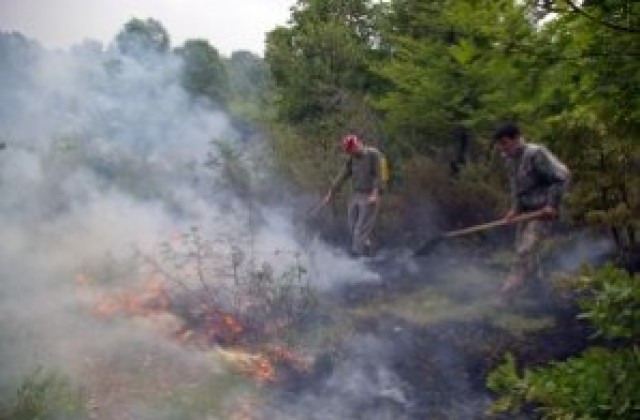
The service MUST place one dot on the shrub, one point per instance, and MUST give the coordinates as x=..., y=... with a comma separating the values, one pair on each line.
x=599, y=383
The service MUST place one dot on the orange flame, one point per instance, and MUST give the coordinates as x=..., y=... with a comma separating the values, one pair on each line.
x=152, y=298
x=221, y=328
x=256, y=365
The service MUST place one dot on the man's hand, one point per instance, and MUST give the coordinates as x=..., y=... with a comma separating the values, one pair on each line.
x=510, y=215
x=373, y=198
x=327, y=198
x=548, y=213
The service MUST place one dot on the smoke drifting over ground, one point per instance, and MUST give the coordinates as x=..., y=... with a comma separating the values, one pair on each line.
x=106, y=154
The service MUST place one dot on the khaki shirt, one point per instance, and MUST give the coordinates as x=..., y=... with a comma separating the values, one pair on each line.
x=537, y=178
x=364, y=171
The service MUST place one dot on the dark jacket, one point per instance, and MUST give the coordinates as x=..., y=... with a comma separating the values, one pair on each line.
x=537, y=178
x=364, y=171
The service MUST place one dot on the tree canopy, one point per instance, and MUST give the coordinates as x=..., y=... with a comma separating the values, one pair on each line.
x=204, y=73
x=139, y=37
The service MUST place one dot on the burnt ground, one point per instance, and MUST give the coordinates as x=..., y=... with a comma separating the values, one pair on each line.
x=399, y=362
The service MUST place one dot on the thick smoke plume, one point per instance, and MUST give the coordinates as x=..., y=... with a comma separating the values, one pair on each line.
x=105, y=155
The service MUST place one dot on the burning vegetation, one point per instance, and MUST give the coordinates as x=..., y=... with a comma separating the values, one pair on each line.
x=375, y=358
x=203, y=297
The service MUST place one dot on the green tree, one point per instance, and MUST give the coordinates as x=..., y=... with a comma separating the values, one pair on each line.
x=204, y=73
x=139, y=37
x=589, y=106
x=249, y=85
x=453, y=65
x=248, y=73
x=320, y=59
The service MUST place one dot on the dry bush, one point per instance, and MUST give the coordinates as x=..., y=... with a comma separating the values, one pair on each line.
x=430, y=199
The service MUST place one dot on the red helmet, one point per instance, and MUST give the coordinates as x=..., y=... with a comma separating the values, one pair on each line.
x=349, y=142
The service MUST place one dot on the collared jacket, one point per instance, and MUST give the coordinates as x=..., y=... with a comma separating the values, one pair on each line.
x=537, y=178
x=364, y=171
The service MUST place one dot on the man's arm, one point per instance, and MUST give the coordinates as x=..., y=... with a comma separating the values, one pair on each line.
x=337, y=183
x=555, y=174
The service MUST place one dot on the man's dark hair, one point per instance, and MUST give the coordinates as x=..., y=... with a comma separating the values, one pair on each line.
x=509, y=130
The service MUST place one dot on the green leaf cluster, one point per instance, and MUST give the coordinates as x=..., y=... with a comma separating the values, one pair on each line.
x=249, y=86
x=321, y=58
x=451, y=64
x=600, y=382
x=204, y=72
x=612, y=303
x=139, y=37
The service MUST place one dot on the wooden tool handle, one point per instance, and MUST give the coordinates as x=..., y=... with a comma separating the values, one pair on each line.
x=496, y=223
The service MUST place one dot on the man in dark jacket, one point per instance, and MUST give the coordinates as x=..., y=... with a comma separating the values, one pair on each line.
x=538, y=181
x=363, y=167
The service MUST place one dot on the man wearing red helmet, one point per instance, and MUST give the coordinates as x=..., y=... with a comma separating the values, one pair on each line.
x=363, y=167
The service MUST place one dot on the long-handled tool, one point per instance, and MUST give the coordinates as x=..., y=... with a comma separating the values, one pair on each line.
x=430, y=244
x=314, y=210
x=303, y=222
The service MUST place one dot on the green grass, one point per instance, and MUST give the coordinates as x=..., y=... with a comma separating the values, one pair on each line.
x=464, y=295
x=44, y=394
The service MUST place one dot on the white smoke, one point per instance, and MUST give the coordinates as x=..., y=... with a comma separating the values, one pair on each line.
x=105, y=154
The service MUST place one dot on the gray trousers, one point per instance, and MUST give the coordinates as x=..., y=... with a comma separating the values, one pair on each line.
x=362, y=218
x=529, y=236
